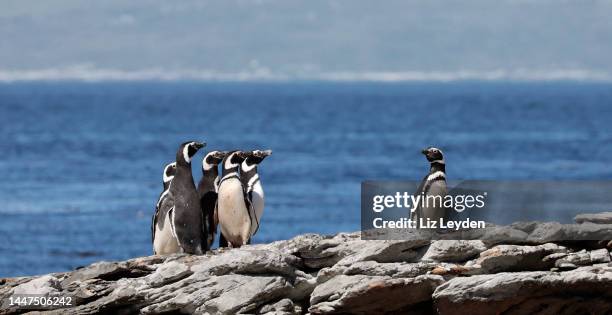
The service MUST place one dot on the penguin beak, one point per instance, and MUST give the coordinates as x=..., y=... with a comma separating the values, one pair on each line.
x=267, y=152
x=425, y=151
x=199, y=145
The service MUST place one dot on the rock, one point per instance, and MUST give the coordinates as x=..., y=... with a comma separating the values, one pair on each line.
x=586, y=290
x=372, y=268
x=517, y=258
x=564, y=265
x=346, y=274
x=282, y=307
x=572, y=260
x=453, y=251
x=44, y=286
x=361, y=294
x=223, y=282
x=582, y=258
x=556, y=232
x=598, y=218
x=168, y=273
x=600, y=256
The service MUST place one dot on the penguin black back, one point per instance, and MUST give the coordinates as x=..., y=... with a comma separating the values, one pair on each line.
x=188, y=220
x=207, y=192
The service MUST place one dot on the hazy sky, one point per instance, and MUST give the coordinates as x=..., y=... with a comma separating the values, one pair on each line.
x=336, y=40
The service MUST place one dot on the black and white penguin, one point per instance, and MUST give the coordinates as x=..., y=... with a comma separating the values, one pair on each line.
x=254, y=189
x=183, y=228
x=434, y=184
x=160, y=213
x=207, y=191
x=232, y=203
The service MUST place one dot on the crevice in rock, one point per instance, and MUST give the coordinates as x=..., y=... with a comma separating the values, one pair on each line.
x=121, y=273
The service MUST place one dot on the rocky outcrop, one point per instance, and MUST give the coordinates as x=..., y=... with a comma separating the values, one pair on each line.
x=587, y=290
x=599, y=218
x=344, y=274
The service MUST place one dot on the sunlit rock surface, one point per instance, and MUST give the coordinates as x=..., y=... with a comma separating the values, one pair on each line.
x=344, y=274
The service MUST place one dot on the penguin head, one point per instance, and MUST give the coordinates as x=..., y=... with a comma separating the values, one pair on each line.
x=233, y=159
x=187, y=150
x=255, y=157
x=433, y=154
x=169, y=172
x=212, y=159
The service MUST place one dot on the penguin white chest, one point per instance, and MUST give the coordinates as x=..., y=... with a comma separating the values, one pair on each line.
x=232, y=212
x=435, y=211
x=165, y=241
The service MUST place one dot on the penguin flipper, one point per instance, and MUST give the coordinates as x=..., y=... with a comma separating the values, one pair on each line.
x=153, y=221
x=252, y=210
x=160, y=200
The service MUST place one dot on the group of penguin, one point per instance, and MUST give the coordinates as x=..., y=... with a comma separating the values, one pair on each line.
x=186, y=217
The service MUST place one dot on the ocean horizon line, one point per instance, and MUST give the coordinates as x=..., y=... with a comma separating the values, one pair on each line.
x=93, y=74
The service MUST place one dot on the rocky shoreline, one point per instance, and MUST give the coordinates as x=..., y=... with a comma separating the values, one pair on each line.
x=344, y=274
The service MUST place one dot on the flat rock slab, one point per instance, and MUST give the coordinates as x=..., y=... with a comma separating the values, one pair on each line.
x=371, y=294
x=586, y=290
x=598, y=218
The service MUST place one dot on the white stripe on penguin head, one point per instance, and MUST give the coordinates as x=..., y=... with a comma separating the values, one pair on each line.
x=166, y=177
x=245, y=167
x=186, y=152
x=228, y=162
x=205, y=165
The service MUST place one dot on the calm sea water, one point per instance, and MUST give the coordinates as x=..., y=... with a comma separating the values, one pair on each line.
x=81, y=163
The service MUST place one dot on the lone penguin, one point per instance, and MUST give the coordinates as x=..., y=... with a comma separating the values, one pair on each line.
x=207, y=192
x=161, y=212
x=432, y=188
x=254, y=189
x=233, y=204
x=183, y=229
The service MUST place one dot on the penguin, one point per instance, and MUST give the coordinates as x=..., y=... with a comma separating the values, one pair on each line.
x=232, y=203
x=254, y=190
x=184, y=220
x=207, y=192
x=168, y=175
x=434, y=184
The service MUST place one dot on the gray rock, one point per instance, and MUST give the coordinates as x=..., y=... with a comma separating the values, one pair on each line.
x=598, y=218
x=572, y=260
x=347, y=274
x=167, y=273
x=600, y=256
x=556, y=232
x=518, y=258
x=453, y=251
x=586, y=290
x=282, y=307
x=44, y=286
x=372, y=268
x=361, y=294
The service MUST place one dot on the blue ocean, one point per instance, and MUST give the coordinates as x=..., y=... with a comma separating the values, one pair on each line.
x=81, y=163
